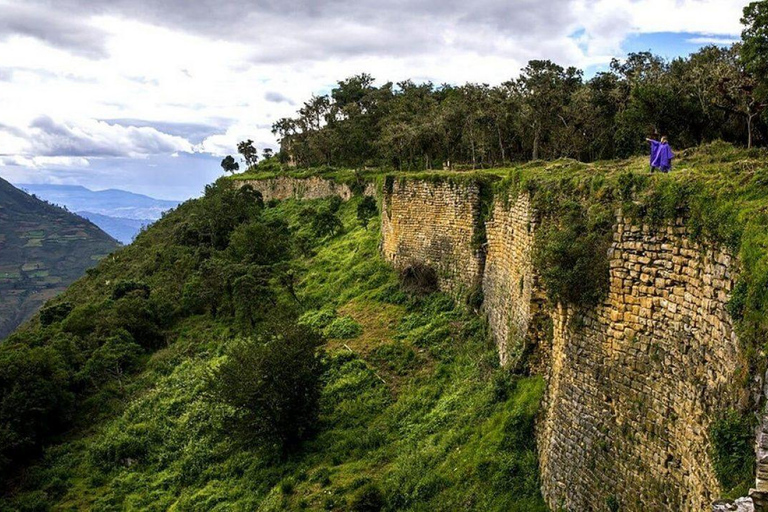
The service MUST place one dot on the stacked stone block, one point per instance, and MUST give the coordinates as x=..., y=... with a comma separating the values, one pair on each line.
x=634, y=384
x=513, y=297
x=434, y=224
x=283, y=187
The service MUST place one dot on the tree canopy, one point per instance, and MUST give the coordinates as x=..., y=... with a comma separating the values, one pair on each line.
x=547, y=112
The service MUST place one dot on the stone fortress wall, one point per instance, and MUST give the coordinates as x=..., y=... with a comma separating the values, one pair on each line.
x=284, y=187
x=633, y=384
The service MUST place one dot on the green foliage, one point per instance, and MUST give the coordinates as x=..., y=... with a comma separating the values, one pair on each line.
x=334, y=203
x=273, y=384
x=261, y=242
x=35, y=399
x=547, y=112
x=366, y=210
x=572, y=253
x=123, y=288
x=326, y=223
x=318, y=319
x=115, y=358
x=229, y=164
x=55, y=313
x=733, y=453
x=414, y=416
x=755, y=43
x=248, y=151
x=210, y=222
x=368, y=499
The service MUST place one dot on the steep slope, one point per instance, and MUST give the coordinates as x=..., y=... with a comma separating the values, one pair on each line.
x=415, y=413
x=43, y=249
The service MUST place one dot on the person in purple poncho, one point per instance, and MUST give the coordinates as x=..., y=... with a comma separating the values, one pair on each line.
x=661, y=155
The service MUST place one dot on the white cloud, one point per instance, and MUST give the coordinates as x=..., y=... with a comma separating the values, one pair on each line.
x=240, y=65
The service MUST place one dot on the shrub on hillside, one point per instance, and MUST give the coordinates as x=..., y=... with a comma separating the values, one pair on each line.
x=273, y=384
x=326, y=223
x=123, y=288
x=343, y=328
x=733, y=453
x=334, y=204
x=35, y=400
x=261, y=243
x=118, y=355
x=366, y=210
x=55, y=313
x=368, y=499
x=318, y=319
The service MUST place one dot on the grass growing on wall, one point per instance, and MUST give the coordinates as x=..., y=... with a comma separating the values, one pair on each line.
x=733, y=455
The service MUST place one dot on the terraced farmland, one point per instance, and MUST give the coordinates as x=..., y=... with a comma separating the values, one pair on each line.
x=43, y=248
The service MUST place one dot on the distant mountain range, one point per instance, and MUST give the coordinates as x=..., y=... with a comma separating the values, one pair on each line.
x=43, y=249
x=118, y=212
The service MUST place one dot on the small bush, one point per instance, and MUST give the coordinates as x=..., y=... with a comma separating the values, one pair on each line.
x=326, y=223
x=475, y=297
x=273, y=383
x=419, y=279
x=368, y=499
x=733, y=453
x=334, y=204
x=55, y=313
x=366, y=210
x=572, y=254
x=317, y=319
x=124, y=288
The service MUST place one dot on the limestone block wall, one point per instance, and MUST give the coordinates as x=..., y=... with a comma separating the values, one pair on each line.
x=434, y=224
x=634, y=384
x=513, y=297
x=283, y=187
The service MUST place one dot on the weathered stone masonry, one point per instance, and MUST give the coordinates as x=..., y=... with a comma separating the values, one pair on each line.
x=513, y=298
x=434, y=224
x=283, y=187
x=633, y=384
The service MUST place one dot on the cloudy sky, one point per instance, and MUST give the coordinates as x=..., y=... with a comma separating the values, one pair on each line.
x=148, y=95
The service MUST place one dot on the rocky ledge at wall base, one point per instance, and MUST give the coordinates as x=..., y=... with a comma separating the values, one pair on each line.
x=637, y=297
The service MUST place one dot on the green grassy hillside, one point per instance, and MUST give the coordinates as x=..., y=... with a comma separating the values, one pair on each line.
x=111, y=398
x=43, y=249
x=414, y=412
